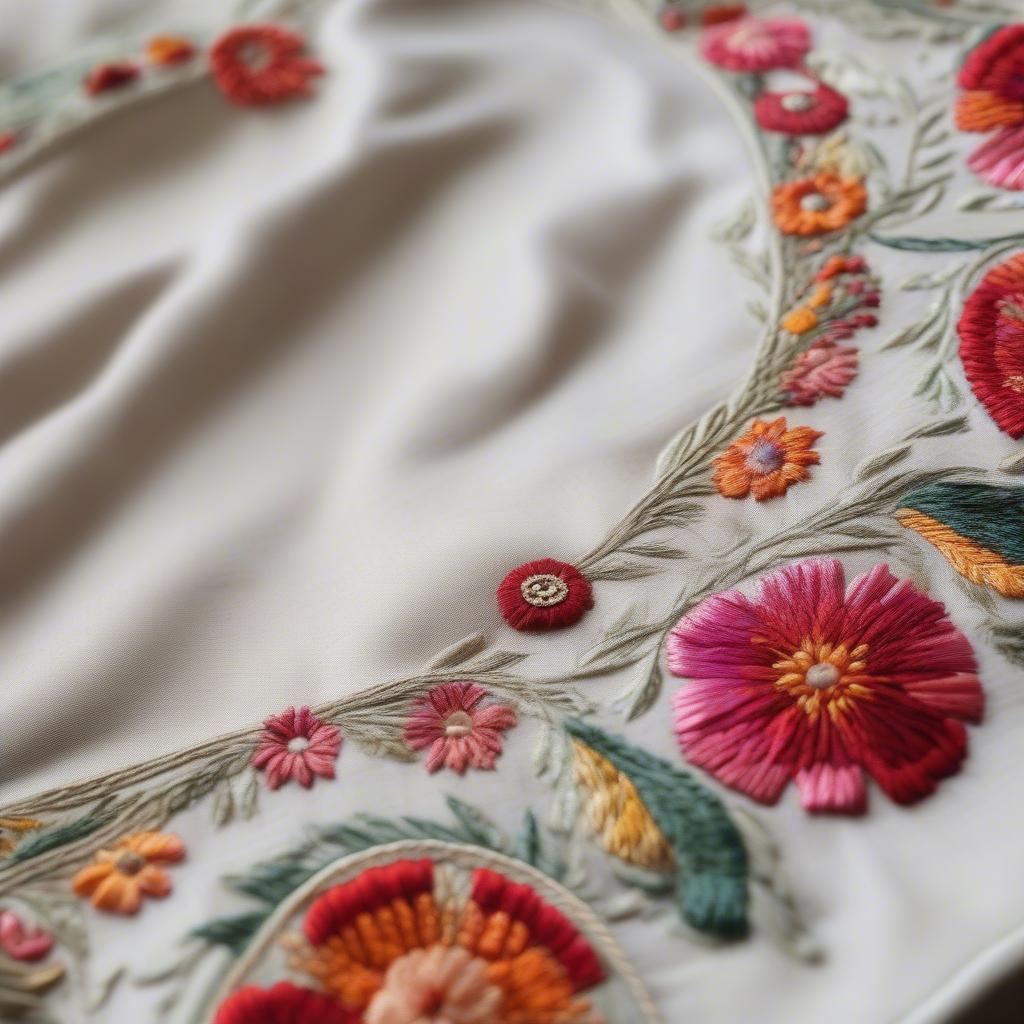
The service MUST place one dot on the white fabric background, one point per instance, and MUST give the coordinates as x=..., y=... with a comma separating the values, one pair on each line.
x=284, y=394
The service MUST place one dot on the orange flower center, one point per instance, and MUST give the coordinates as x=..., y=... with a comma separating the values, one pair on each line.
x=823, y=676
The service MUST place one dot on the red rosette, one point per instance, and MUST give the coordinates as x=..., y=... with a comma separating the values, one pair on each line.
x=544, y=594
x=256, y=65
x=285, y=1003
x=801, y=113
x=991, y=330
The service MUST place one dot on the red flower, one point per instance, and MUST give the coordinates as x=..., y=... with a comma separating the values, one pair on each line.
x=7, y=141
x=20, y=941
x=255, y=65
x=991, y=330
x=167, y=51
x=110, y=76
x=297, y=745
x=801, y=113
x=718, y=14
x=545, y=594
x=821, y=682
x=285, y=1003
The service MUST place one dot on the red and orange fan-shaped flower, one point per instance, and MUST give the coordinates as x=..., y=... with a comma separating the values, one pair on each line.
x=393, y=945
x=993, y=101
x=285, y=1003
x=991, y=330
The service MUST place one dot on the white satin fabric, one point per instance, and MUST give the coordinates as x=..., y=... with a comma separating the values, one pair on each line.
x=284, y=394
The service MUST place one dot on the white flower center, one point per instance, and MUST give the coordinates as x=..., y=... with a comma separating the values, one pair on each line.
x=298, y=745
x=796, y=102
x=815, y=202
x=458, y=724
x=822, y=676
x=544, y=590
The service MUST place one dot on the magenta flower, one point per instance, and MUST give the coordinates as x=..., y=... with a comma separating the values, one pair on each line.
x=824, y=369
x=297, y=745
x=753, y=45
x=819, y=682
x=21, y=942
x=459, y=729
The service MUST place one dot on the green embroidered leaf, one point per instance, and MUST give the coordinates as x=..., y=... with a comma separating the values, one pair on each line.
x=235, y=932
x=879, y=463
x=528, y=847
x=459, y=652
x=710, y=858
x=908, y=244
x=941, y=428
x=476, y=825
x=61, y=835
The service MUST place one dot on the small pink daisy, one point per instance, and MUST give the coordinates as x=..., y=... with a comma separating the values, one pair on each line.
x=297, y=745
x=753, y=44
x=459, y=731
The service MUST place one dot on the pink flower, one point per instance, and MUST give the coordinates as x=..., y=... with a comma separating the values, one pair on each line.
x=824, y=369
x=437, y=984
x=21, y=942
x=460, y=732
x=751, y=44
x=297, y=745
x=818, y=682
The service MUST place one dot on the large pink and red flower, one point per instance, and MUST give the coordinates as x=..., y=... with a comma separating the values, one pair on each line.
x=754, y=45
x=297, y=745
x=285, y=1003
x=459, y=728
x=991, y=330
x=544, y=594
x=801, y=112
x=993, y=100
x=255, y=65
x=820, y=683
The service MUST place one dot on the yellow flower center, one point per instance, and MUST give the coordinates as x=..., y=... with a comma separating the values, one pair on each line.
x=823, y=676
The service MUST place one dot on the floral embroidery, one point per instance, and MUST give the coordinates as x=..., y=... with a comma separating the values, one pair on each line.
x=440, y=983
x=523, y=959
x=121, y=876
x=753, y=45
x=991, y=330
x=297, y=745
x=650, y=814
x=11, y=829
x=169, y=51
x=766, y=460
x=255, y=65
x=824, y=369
x=459, y=729
x=801, y=113
x=816, y=205
x=812, y=683
x=110, y=76
x=979, y=530
x=674, y=15
x=21, y=942
x=284, y=1003
x=545, y=594
x=993, y=80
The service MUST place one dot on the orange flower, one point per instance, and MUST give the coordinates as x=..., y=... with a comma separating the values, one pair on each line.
x=166, y=51
x=766, y=460
x=800, y=320
x=812, y=206
x=120, y=877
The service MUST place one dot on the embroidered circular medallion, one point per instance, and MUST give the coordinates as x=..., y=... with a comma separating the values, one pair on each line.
x=544, y=590
x=545, y=594
x=440, y=961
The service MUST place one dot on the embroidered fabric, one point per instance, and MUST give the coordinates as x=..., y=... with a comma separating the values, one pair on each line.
x=288, y=394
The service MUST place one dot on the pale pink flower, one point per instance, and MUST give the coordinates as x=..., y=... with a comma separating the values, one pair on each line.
x=20, y=941
x=754, y=44
x=460, y=731
x=440, y=985
x=297, y=745
x=824, y=369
